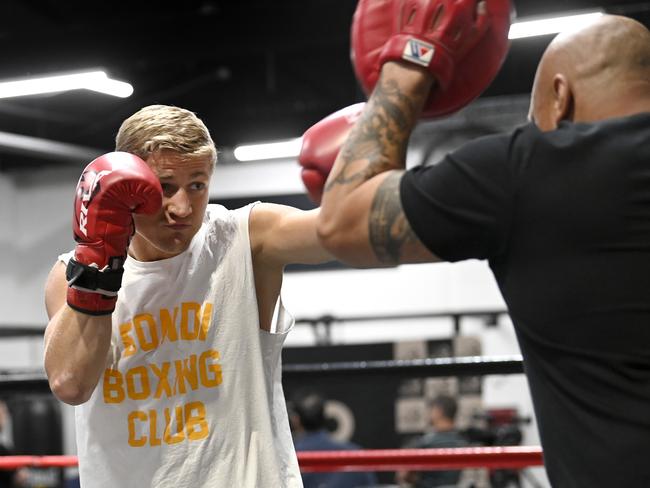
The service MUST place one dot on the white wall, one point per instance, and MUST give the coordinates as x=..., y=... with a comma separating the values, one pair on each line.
x=36, y=216
x=35, y=225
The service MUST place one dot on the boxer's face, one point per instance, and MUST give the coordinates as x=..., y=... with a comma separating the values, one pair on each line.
x=436, y=415
x=185, y=184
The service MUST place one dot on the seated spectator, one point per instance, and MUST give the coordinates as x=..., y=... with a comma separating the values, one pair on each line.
x=443, y=420
x=309, y=425
x=10, y=478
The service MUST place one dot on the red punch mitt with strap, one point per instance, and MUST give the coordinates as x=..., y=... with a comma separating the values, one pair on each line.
x=463, y=43
x=110, y=189
x=320, y=146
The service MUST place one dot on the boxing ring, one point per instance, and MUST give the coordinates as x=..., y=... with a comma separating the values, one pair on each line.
x=490, y=458
x=506, y=457
x=364, y=460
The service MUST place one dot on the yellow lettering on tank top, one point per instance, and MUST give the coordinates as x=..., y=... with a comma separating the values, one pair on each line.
x=190, y=322
x=131, y=387
x=144, y=323
x=186, y=371
x=179, y=435
x=168, y=325
x=127, y=340
x=133, y=440
x=177, y=424
x=206, y=320
x=161, y=424
x=113, y=386
x=195, y=425
x=154, y=440
x=210, y=372
x=162, y=374
x=144, y=333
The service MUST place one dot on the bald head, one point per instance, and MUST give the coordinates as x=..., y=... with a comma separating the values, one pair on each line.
x=598, y=72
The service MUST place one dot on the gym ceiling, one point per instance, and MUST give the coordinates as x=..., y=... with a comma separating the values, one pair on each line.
x=254, y=71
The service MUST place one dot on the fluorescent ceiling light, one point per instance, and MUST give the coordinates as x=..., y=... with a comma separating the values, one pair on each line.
x=271, y=150
x=518, y=30
x=551, y=25
x=93, y=80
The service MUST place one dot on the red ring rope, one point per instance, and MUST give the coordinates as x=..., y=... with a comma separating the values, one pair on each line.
x=421, y=459
x=13, y=462
x=365, y=460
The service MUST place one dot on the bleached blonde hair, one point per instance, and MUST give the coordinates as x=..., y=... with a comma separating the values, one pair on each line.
x=158, y=128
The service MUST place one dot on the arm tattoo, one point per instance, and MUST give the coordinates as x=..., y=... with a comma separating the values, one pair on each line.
x=380, y=137
x=388, y=229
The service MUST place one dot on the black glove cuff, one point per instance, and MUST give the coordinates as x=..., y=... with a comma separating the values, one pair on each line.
x=91, y=279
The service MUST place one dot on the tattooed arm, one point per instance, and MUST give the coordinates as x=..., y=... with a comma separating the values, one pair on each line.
x=362, y=221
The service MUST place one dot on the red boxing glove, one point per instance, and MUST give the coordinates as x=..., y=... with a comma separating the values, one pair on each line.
x=110, y=188
x=463, y=43
x=320, y=146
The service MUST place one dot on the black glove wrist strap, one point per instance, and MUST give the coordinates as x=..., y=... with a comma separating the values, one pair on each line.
x=89, y=278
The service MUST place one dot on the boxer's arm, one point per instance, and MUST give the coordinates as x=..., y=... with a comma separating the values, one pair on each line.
x=362, y=221
x=81, y=298
x=282, y=235
x=76, y=344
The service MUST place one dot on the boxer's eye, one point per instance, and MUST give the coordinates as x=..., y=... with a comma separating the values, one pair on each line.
x=168, y=189
x=197, y=186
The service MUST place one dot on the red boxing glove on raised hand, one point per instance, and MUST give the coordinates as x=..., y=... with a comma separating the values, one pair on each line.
x=320, y=146
x=110, y=189
x=463, y=43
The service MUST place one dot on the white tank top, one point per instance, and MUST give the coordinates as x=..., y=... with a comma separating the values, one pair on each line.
x=191, y=395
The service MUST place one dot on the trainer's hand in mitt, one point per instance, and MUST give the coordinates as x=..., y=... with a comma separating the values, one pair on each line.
x=463, y=43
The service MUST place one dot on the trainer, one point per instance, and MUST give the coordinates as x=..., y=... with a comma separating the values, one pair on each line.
x=560, y=208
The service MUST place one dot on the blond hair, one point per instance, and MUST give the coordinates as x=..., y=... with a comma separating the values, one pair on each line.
x=157, y=128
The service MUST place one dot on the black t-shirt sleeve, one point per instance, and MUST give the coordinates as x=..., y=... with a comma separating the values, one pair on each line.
x=461, y=207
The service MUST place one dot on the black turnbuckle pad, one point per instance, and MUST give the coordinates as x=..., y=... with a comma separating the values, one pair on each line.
x=89, y=278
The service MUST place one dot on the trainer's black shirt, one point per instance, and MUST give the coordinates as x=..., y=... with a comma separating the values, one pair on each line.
x=564, y=219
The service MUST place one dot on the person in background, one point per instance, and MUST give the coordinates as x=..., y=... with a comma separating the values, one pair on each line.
x=309, y=425
x=10, y=478
x=443, y=410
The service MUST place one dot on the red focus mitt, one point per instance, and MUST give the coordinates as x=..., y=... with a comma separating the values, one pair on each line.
x=320, y=146
x=463, y=43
